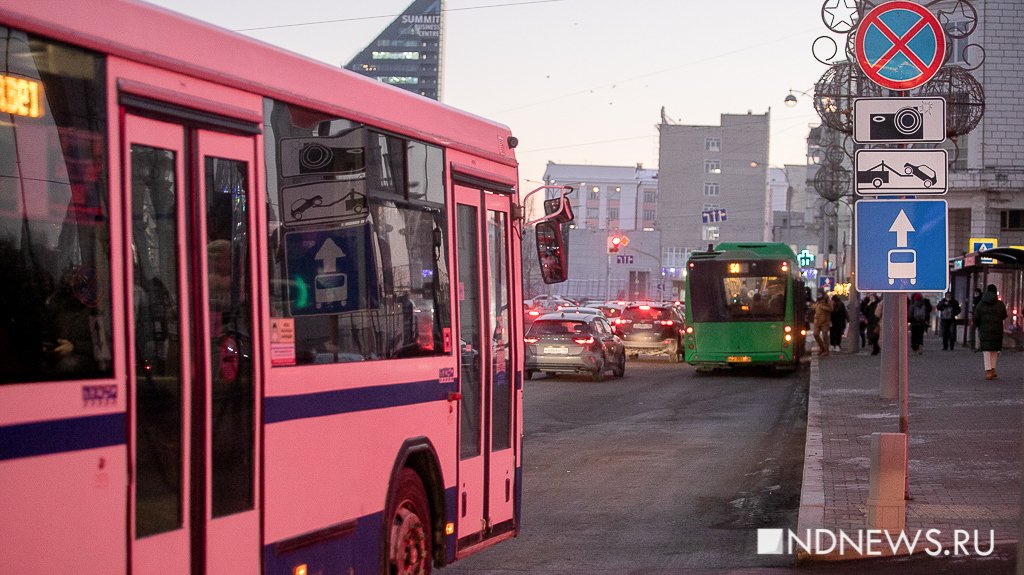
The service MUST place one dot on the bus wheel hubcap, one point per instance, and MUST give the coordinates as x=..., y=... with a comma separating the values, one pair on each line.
x=409, y=547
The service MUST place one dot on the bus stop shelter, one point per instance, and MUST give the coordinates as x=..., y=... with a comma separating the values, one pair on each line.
x=1003, y=267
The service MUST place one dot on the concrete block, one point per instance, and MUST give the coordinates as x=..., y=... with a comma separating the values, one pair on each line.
x=887, y=509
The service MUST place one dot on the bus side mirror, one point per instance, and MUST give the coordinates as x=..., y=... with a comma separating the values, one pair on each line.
x=551, y=252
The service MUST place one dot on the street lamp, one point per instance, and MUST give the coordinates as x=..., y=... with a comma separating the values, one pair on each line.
x=791, y=99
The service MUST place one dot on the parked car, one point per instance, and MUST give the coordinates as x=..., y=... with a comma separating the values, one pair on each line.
x=578, y=309
x=611, y=309
x=652, y=329
x=548, y=301
x=566, y=342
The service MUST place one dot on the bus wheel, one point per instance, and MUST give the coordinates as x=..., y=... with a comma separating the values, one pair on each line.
x=409, y=540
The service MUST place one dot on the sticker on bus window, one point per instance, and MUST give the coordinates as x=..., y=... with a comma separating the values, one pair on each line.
x=282, y=341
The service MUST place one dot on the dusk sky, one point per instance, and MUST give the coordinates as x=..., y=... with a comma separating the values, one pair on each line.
x=581, y=81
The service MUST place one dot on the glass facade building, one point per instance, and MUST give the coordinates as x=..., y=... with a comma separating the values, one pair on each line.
x=407, y=54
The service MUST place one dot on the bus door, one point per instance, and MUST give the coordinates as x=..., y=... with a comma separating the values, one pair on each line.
x=193, y=387
x=487, y=460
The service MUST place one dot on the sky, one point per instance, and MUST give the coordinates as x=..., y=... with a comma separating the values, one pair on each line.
x=581, y=81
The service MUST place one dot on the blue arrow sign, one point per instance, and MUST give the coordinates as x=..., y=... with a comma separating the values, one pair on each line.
x=331, y=271
x=901, y=246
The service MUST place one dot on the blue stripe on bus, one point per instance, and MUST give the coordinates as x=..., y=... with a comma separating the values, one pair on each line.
x=357, y=548
x=290, y=407
x=62, y=435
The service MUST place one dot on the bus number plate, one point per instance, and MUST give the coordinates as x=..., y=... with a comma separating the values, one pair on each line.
x=738, y=359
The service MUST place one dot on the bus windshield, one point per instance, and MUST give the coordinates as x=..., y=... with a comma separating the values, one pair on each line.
x=721, y=296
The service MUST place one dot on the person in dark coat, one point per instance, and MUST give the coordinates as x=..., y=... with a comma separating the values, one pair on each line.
x=918, y=314
x=948, y=309
x=839, y=321
x=988, y=318
x=868, y=308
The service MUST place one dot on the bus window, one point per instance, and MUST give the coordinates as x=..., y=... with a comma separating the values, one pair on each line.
x=720, y=296
x=54, y=227
x=358, y=238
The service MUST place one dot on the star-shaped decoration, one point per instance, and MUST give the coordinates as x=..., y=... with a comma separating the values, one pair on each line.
x=840, y=16
x=960, y=21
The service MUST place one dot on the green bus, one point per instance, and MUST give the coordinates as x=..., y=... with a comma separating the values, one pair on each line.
x=745, y=306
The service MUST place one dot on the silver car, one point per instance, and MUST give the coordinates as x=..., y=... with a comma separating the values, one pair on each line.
x=564, y=342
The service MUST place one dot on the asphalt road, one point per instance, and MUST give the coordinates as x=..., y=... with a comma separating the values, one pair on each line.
x=662, y=471
x=669, y=472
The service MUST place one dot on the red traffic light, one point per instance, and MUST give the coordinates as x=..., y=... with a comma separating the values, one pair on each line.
x=614, y=243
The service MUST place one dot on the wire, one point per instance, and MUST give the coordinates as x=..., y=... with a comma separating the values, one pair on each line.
x=316, y=22
x=657, y=72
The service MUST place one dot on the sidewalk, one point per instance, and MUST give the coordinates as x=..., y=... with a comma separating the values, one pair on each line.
x=964, y=442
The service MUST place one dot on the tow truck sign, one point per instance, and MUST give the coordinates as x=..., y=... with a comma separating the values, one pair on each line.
x=900, y=172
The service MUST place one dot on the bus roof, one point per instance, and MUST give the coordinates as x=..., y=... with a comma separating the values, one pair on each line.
x=158, y=37
x=746, y=250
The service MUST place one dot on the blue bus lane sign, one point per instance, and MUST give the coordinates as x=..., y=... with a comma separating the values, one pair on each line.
x=901, y=245
x=328, y=272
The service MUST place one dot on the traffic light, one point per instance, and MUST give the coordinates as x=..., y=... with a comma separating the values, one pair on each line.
x=616, y=241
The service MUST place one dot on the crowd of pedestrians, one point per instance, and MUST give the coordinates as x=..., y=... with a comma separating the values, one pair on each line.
x=829, y=318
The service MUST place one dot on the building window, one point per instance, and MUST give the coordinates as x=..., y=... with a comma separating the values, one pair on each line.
x=711, y=188
x=1011, y=220
x=958, y=49
x=673, y=257
x=712, y=167
x=595, y=192
x=712, y=144
x=650, y=196
x=396, y=55
x=399, y=79
x=649, y=215
x=710, y=233
x=592, y=213
x=613, y=213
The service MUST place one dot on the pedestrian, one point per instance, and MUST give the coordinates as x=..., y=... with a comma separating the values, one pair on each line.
x=822, y=320
x=919, y=314
x=862, y=324
x=871, y=309
x=948, y=309
x=988, y=317
x=839, y=319
x=975, y=299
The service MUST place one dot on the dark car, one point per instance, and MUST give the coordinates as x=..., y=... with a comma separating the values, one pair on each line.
x=574, y=343
x=652, y=329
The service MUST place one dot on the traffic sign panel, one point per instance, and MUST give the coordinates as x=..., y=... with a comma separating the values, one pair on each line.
x=900, y=45
x=900, y=172
x=329, y=271
x=901, y=245
x=899, y=120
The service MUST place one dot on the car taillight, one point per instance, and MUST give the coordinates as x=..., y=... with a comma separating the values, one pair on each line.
x=666, y=322
x=619, y=321
x=534, y=313
x=584, y=340
x=645, y=308
x=531, y=339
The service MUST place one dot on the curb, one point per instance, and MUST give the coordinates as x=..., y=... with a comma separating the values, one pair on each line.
x=811, y=514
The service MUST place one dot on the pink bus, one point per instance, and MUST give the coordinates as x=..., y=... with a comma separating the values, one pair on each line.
x=258, y=314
